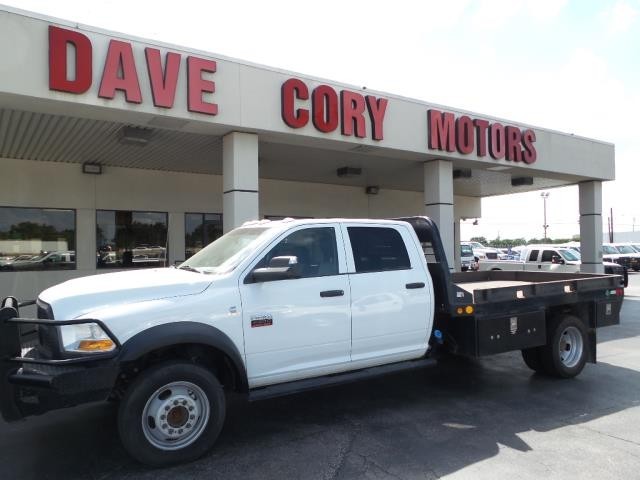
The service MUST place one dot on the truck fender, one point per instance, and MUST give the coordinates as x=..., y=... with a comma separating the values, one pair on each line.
x=177, y=333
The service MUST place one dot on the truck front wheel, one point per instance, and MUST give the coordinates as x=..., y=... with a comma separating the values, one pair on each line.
x=565, y=353
x=171, y=413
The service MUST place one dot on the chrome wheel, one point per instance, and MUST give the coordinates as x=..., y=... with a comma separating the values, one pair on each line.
x=175, y=415
x=571, y=347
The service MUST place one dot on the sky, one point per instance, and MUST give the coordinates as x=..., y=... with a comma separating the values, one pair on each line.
x=567, y=65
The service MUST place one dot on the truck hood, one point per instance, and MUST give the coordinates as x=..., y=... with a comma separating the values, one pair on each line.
x=78, y=297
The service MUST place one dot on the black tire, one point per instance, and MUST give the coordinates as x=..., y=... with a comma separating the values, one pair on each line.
x=532, y=359
x=564, y=363
x=146, y=386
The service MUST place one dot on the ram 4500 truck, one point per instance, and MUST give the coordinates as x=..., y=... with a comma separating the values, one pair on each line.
x=273, y=308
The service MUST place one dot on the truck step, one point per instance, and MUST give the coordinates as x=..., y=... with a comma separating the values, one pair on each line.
x=299, y=386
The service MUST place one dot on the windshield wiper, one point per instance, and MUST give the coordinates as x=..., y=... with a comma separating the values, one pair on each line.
x=189, y=268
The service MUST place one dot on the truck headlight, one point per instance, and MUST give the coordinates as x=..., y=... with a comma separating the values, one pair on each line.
x=85, y=337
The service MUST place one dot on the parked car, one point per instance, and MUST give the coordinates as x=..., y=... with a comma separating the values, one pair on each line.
x=57, y=260
x=481, y=252
x=467, y=258
x=627, y=250
x=550, y=258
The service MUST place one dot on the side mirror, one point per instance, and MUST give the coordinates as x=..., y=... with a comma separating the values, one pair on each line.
x=280, y=268
x=557, y=259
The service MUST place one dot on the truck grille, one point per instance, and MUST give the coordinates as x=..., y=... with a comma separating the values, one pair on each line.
x=624, y=261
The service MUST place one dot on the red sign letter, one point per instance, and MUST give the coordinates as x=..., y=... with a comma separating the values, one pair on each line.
x=325, y=108
x=481, y=127
x=163, y=84
x=291, y=90
x=441, y=130
x=513, y=144
x=196, y=85
x=497, y=143
x=529, y=155
x=353, y=106
x=120, y=60
x=377, y=109
x=464, y=135
x=58, y=75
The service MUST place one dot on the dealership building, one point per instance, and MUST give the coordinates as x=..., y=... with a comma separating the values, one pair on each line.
x=119, y=152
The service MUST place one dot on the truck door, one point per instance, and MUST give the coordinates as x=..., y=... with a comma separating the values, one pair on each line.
x=300, y=327
x=392, y=306
x=550, y=261
x=531, y=262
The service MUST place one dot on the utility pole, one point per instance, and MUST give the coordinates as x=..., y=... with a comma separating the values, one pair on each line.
x=544, y=196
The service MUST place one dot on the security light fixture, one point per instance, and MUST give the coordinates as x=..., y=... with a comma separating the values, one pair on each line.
x=347, y=172
x=129, y=135
x=92, y=168
x=520, y=181
x=462, y=173
x=372, y=190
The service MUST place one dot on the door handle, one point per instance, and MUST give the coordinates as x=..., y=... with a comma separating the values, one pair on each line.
x=332, y=293
x=414, y=285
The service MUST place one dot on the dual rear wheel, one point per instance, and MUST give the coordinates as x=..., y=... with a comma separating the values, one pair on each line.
x=566, y=351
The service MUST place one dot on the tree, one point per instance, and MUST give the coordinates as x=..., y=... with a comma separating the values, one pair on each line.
x=481, y=240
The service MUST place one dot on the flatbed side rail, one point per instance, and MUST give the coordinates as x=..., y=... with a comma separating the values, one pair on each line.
x=542, y=284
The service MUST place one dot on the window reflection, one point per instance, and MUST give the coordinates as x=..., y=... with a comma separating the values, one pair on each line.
x=37, y=239
x=127, y=239
x=200, y=230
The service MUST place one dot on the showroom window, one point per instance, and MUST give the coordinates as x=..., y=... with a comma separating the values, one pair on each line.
x=128, y=239
x=37, y=239
x=200, y=230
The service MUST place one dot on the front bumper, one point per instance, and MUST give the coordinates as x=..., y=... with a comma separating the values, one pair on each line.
x=34, y=381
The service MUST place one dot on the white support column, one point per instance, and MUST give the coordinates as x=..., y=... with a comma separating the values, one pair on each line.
x=175, y=237
x=456, y=245
x=591, y=227
x=86, y=235
x=240, y=179
x=438, y=200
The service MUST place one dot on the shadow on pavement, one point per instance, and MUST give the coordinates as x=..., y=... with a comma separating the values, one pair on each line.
x=422, y=424
x=427, y=423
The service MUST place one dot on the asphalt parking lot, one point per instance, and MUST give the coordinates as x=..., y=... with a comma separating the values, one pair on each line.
x=462, y=419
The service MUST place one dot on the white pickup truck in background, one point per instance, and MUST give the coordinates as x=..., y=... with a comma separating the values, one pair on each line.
x=548, y=258
x=274, y=308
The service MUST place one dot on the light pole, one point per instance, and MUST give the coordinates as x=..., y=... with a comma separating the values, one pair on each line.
x=544, y=196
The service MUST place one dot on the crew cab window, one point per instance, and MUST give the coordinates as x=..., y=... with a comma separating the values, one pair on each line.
x=547, y=255
x=376, y=249
x=315, y=249
x=533, y=256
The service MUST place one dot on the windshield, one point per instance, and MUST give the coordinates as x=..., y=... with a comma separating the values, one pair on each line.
x=569, y=255
x=609, y=250
x=625, y=249
x=226, y=252
x=476, y=245
x=466, y=251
